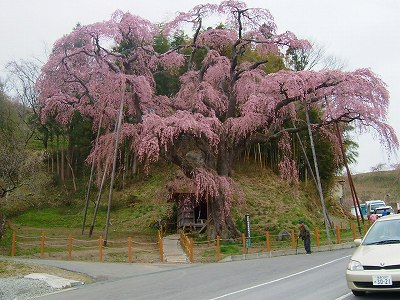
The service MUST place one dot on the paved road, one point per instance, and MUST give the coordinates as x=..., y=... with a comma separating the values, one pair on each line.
x=317, y=276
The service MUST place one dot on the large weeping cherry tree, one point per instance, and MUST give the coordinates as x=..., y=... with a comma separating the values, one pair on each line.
x=223, y=106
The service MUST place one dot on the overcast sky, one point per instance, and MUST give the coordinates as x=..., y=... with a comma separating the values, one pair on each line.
x=361, y=33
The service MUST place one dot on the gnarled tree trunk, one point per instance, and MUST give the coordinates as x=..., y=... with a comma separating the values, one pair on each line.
x=223, y=224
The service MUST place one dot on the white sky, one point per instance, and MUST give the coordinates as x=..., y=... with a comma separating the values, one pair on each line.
x=361, y=33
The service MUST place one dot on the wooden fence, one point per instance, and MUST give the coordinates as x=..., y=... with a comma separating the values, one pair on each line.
x=70, y=248
x=151, y=250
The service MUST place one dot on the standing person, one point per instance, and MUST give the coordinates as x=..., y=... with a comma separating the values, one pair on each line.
x=373, y=217
x=304, y=234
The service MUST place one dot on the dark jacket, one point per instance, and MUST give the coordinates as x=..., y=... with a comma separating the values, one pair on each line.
x=304, y=231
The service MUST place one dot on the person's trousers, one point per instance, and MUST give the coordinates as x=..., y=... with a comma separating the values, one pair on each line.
x=307, y=245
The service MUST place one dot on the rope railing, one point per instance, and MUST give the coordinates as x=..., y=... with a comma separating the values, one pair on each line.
x=201, y=250
x=267, y=242
x=42, y=244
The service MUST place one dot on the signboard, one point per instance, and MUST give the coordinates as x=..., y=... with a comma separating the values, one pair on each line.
x=248, y=236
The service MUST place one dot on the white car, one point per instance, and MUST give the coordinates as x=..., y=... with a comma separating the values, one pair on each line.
x=375, y=264
x=378, y=211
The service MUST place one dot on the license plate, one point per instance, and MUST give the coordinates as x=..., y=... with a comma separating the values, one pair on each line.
x=382, y=280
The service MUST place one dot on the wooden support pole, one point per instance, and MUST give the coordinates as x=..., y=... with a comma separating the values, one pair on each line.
x=191, y=250
x=218, y=249
x=42, y=245
x=353, y=229
x=244, y=243
x=268, y=241
x=14, y=240
x=293, y=240
x=365, y=227
x=69, y=246
x=101, y=248
x=338, y=234
x=317, y=237
x=129, y=249
x=160, y=244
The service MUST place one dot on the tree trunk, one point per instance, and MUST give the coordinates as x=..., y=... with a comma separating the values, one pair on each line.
x=72, y=173
x=134, y=164
x=223, y=224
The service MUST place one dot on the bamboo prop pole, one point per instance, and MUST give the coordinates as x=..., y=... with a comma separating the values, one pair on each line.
x=114, y=165
x=321, y=195
x=89, y=186
x=96, y=208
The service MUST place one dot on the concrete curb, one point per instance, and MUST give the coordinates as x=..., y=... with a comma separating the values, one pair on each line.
x=285, y=252
x=54, y=281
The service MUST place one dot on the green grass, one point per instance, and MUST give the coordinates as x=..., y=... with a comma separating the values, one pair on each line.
x=231, y=249
x=67, y=217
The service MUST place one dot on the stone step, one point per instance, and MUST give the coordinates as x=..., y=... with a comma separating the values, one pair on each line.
x=173, y=252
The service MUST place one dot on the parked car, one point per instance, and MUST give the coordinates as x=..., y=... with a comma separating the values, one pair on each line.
x=363, y=207
x=372, y=204
x=379, y=210
x=375, y=264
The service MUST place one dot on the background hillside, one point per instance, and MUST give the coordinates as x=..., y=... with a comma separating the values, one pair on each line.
x=383, y=185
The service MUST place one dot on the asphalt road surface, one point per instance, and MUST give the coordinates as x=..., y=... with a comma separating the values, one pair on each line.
x=318, y=276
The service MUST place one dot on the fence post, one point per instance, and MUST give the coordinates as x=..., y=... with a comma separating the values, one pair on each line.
x=293, y=240
x=129, y=249
x=218, y=249
x=244, y=243
x=268, y=242
x=42, y=245
x=101, y=248
x=365, y=227
x=191, y=250
x=353, y=229
x=14, y=240
x=69, y=246
x=317, y=237
x=160, y=243
x=338, y=234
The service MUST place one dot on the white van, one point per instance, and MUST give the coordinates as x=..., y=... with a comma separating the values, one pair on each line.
x=373, y=204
